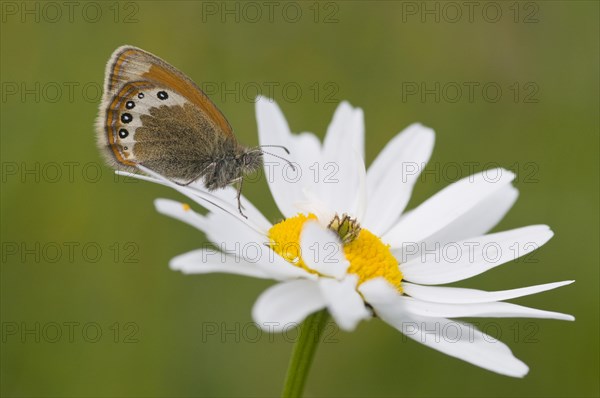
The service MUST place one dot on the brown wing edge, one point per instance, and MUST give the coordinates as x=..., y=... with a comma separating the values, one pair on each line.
x=102, y=130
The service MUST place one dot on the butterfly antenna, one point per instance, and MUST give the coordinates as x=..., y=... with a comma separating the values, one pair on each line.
x=277, y=156
x=275, y=146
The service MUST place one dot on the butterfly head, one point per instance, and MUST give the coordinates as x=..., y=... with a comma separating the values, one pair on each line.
x=250, y=161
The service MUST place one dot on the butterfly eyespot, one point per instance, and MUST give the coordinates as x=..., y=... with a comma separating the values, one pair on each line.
x=130, y=105
x=125, y=148
x=126, y=118
x=123, y=133
x=141, y=95
x=162, y=95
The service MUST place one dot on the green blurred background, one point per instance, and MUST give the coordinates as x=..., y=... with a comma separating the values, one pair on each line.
x=155, y=323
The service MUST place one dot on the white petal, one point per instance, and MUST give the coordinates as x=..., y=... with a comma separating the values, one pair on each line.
x=491, y=310
x=465, y=259
x=391, y=177
x=314, y=205
x=378, y=290
x=345, y=305
x=205, y=261
x=200, y=196
x=229, y=194
x=457, y=339
x=225, y=232
x=338, y=177
x=231, y=236
x=481, y=218
x=477, y=221
x=322, y=250
x=274, y=130
x=360, y=208
x=236, y=239
x=347, y=125
x=306, y=157
x=460, y=340
x=180, y=211
x=310, y=171
x=284, y=306
x=442, y=294
x=307, y=151
x=446, y=207
x=227, y=235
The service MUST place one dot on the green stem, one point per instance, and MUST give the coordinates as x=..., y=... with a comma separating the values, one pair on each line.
x=303, y=353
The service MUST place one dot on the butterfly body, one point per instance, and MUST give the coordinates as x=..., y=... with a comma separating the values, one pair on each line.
x=155, y=116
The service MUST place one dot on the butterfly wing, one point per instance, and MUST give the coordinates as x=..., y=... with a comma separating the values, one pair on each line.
x=152, y=114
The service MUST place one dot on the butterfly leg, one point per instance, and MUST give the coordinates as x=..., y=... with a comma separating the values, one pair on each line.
x=239, y=195
x=196, y=178
x=187, y=183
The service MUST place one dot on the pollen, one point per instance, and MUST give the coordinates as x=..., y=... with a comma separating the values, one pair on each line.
x=369, y=257
x=186, y=207
x=284, y=239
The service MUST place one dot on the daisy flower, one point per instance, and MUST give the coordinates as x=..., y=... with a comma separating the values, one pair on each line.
x=347, y=245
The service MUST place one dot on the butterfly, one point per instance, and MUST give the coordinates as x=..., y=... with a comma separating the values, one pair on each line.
x=155, y=116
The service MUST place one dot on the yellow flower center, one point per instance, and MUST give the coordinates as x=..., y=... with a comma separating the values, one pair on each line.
x=284, y=239
x=369, y=257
